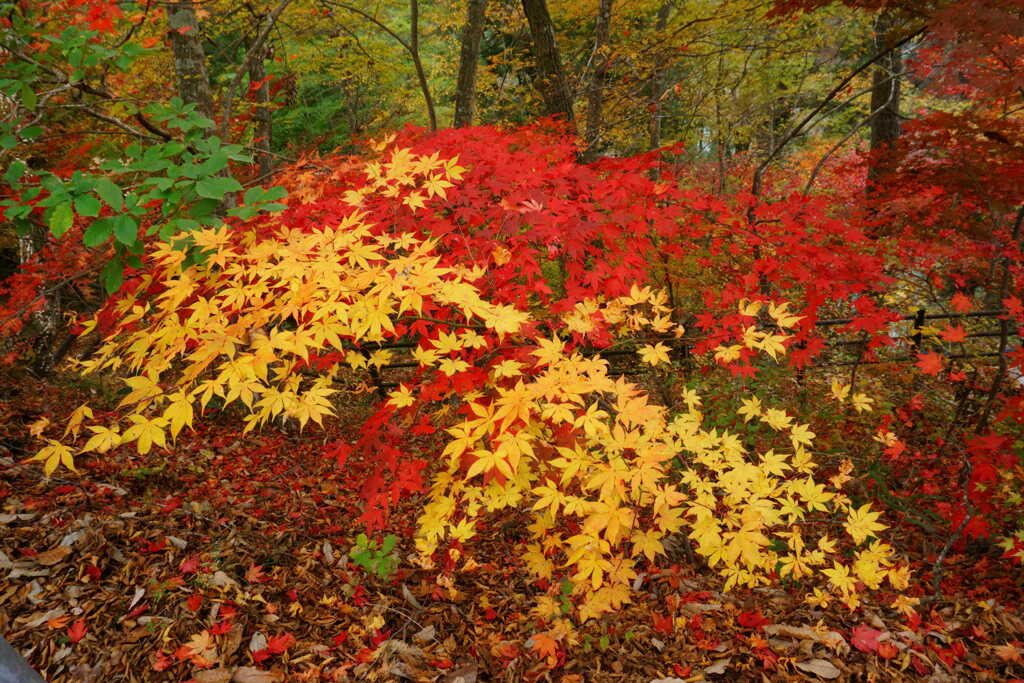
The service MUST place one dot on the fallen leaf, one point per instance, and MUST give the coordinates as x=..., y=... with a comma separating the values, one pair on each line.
x=250, y=674
x=278, y=644
x=40, y=619
x=819, y=667
x=887, y=650
x=865, y=638
x=466, y=673
x=76, y=631
x=232, y=641
x=53, y=556
x=543, y=644
x=754, y=620
x=718, y=668
x=831, y=638
x=258, y=641
x=58, y=623
x=220, y=675
x=1009, y=652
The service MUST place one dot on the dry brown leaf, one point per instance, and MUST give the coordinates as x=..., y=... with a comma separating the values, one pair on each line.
x=220, y=675
x=718, y=668
x=819, y=667
x=53, y=556
x=232, y=640
x=249, y=674
x=830, y=638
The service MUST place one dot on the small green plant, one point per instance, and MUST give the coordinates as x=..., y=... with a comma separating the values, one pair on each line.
x=381, y=561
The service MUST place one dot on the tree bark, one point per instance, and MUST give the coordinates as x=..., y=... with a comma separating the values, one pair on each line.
x=414, y=49
x=47, y=321
x=262, y=119
x=654, y=96
x=189, y=57
x=551, y=78
x=595, y=89
x=885, y=96
x=469, y=56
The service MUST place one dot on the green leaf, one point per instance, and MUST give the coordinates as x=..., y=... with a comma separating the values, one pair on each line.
x=112, y=275
x=203, y=208
x=87, y=205
x=61, y=219
x=98, y=232
x=110, y=193
x=28, y=97
x=126, y=230
x=259, y=194
x=216, y=188
x=15, y=171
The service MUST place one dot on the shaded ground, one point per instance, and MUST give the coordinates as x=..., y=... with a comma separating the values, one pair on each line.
x=230, y=562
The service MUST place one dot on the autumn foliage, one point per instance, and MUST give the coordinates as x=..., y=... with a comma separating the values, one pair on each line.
x=763, y=351
x=277, y=316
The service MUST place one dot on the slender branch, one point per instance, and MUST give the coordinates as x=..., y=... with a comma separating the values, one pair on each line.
x=755, y=188
x=1004, y=331
x=255, y=50
x=412, y=48
x=832, y=150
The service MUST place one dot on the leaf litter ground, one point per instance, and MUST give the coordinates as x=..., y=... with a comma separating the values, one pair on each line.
x=227, y=560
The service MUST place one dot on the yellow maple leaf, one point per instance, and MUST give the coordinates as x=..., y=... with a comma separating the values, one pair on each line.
x=145, y=433
x=647, y=542
x=401, y=397
x=839, y=390
x=862, y=402
x=653, y=355
x=862, y=523
x=53, y=454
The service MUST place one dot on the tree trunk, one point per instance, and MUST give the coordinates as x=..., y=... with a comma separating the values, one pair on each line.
x=595, y=90
x=465, y=89
x=885, y=96
x=414, y=49
x=262, y=118
x=654, y=96
x=189, y=57
x=551, y=78
x=48, y=320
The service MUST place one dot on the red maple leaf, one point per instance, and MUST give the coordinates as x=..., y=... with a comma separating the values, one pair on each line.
x=278, y=644
x=189, y=565
x=930, y=363
x=76, y=631
x=754, y=620
x=865, y=638
x=663, y=625
x=961, y=303
x=1014, y=307
x=954, y=334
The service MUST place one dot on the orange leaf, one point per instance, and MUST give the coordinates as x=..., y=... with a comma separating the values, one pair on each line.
x=954, y=334
x=961, y=303
x=1009, y=652
x=887, y=650
x=930, y=363
x=58, y=623
x=76, y=631
x=544, y=645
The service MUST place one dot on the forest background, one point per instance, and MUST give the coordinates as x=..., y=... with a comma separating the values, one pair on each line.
x=707, y=312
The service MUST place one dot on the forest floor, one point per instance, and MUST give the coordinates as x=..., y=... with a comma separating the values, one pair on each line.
x=227, y=560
